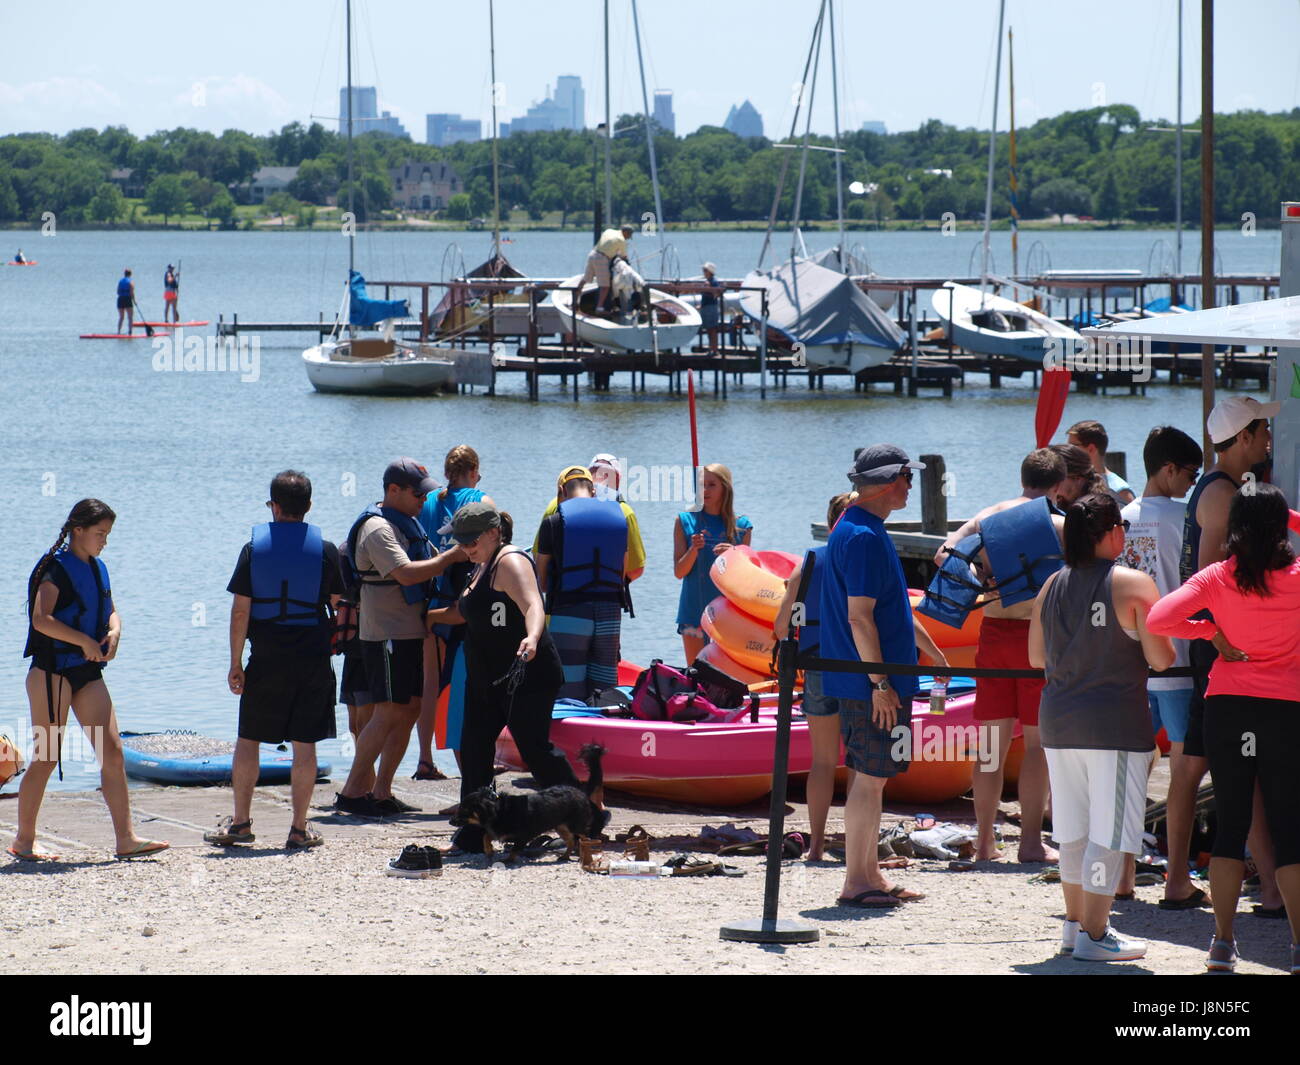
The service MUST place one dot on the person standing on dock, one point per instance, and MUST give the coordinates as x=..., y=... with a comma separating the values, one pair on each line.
x=612, y=243
x=171, y=294
x=711, y=306
x=394, y=564
x=1092, y=437
x=286, y=584
x=1153, y=544
x=866, y=616
x=1238, y=429
x=698, y=536
x=1001, y=701
x=126, y=302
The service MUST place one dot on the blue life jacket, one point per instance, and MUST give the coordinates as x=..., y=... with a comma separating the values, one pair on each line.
x=1023, y=551
x=437, y=512
x=285, y=566
x=89, y=610
x=124, y=288
x=417, y=549
x=593, y=548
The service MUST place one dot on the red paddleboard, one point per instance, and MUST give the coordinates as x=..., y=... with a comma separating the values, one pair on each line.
x=172, y=325
x=114, y=336
x=29, y=262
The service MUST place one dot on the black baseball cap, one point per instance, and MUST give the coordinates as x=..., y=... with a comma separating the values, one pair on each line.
x=410, y=473
x=472, y=521
x=880, y=464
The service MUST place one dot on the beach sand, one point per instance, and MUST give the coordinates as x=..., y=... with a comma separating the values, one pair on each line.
x=199, y=909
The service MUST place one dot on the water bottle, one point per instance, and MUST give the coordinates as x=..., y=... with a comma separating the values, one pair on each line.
x=939, y=696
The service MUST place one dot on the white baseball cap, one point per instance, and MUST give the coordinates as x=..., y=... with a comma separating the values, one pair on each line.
x=1230, y=416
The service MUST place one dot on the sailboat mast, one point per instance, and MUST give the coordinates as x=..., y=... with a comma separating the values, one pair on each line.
x=609, y=132
x=993, y=143
x=649, y=134
x=839, y=159
x=1015, y=209
x=496, y=173
x=795, y=236
x=352, y=228
x=1178, y=157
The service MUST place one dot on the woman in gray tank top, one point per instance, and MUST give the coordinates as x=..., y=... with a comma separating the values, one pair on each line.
x=1088, y=632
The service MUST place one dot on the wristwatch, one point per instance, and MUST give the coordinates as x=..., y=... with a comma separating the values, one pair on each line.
x=881, y=685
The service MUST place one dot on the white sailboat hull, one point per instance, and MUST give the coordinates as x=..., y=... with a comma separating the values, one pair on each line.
x=408, y=372
x=851, y=357
x=968, y=315
x=613, y=334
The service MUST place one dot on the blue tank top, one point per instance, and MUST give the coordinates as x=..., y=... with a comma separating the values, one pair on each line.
x=698, y=589
x=124, y=288
x=438, y=511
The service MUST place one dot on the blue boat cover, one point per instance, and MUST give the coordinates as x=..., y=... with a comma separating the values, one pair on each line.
x=809, y=303
x=364, y=311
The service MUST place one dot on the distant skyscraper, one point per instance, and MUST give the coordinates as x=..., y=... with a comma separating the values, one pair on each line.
x=443, y=129
x=364, y=106
x=874, y=125
x=744, y=121
x=388, y=124
x=664, y=110
x=572, y=101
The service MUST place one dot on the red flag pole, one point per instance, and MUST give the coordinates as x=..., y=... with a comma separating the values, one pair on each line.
x=695, y=440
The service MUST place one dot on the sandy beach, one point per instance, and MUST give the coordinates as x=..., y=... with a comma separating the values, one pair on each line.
x=198, y=909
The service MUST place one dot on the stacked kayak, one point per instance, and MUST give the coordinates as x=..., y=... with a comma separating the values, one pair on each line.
x=739, y=621
x=182, y=757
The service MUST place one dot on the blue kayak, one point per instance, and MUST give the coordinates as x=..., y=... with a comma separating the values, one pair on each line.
x=179, y=756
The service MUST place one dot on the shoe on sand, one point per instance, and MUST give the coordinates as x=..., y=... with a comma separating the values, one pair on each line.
x=1069, y=933
x=1222, y=957
x=1110, y=947
x=416, y=863
x=229, y=834
x=301, y=839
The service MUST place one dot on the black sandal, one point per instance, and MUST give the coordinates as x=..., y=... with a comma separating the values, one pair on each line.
x=303, y=839
x=433, y=772
x=229, y=834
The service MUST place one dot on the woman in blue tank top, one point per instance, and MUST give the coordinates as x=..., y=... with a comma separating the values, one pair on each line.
x=443, y=661
x=698, y=536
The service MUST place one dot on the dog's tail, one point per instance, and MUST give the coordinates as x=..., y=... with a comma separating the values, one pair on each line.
x=591, y=754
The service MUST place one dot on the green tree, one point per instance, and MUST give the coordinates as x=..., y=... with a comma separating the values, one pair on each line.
x=279, y=204
x=165, y=196
x=222, y=207
x=1107, y=200
x=1062, y=196
x=458, y=207
x=108, y=204
x=315, y=182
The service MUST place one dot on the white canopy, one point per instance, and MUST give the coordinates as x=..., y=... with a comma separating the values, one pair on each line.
x=1270, y=323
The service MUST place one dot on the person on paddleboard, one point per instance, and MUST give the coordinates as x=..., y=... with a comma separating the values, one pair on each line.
x=72, y=633
x=126, y=301
x=19, y=258
x=171, y=294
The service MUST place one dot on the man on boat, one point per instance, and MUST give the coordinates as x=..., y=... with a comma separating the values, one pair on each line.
x=866, y=616
x=171, y=294
x=394, y=564
x=1010, y=539
x=285, y=585
x=1238, y=429
x=126, y=302
x=612, y=243
x=585, y=564
x=1091, y=436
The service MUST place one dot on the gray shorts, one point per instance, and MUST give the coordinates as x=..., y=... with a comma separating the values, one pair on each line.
x=816, y=703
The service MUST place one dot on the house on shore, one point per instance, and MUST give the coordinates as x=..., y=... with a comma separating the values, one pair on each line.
x=424, y=186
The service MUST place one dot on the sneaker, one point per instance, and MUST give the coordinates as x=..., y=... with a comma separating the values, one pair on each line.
x=361, y=805
x=417, y=863
x=1069, y=933
x=393, y=806
x=1110, y=947
x=1222, y=957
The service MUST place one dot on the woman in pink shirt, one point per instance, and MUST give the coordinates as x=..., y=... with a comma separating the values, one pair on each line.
x=1252, y=706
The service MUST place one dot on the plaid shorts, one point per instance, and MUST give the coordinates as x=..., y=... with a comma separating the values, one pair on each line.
x=872, y=750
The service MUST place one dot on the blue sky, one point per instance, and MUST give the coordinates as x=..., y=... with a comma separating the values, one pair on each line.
x=151, y=64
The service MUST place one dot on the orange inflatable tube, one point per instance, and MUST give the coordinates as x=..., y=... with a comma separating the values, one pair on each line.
x=715, y=656
x=743, y=637
x=754, y=580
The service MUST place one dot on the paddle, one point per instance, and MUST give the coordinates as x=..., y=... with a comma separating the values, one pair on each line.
x=148, y=329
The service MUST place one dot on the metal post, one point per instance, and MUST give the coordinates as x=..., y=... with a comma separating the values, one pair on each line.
x=649, y=136
x=1286, y=382
x=762, y=351
x=1178, y=160
x=1207, y=209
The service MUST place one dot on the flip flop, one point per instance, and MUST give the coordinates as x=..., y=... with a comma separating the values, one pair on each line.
x=870, y=900
x=142, y=849
x=1275, y=912
x=904, y=895
x=1191, y=902
x=32, y=856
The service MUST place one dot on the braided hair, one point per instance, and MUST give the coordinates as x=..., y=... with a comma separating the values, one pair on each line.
x=86, y=513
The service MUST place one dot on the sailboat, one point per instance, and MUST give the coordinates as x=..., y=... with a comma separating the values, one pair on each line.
x=977, y=319
x=381, y=366
x=818, y=311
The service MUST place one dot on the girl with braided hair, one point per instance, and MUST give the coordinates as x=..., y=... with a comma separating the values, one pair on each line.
x=73, y=631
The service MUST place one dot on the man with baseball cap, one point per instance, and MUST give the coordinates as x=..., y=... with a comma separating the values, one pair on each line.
x=606, y=474
x=393, y=563
x=1238, y=429
x=866, y=616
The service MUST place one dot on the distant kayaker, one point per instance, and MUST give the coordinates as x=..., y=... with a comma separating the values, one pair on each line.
x=1091, y=436
x=699, y=536
x=73, y=632
x=711, y=306
x=19, y=257
x=126, y=302
x=171, y=294
x=613, y=242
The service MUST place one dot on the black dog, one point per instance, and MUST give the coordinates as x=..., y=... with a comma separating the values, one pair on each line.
x=518, y=817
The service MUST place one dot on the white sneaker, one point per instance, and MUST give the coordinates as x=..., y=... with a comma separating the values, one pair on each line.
x=1111, y=947
x=1069, y=933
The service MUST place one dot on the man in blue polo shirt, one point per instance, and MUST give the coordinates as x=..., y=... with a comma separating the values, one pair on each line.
x=866, y=617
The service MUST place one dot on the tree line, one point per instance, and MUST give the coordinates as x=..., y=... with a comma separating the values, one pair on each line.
x=1105, y=161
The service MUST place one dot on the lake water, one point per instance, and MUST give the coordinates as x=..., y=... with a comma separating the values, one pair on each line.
x=185, y=458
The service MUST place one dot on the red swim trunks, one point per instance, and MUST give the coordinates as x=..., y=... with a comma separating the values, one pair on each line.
x=169, y=295
x=1004, y=644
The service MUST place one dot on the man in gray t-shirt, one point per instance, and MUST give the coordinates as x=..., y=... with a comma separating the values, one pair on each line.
x=392, y=555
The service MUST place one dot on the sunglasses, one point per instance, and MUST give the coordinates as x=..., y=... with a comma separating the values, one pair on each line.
x=1193, y=471
x=910, y=474
x=1122, y=525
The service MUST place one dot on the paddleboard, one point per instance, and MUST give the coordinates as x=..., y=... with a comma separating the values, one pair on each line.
x=29, y=262
x=173, y=325
x=180, y=756
x=114, y=336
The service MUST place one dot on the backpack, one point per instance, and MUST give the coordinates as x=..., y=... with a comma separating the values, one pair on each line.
x=655, y=687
